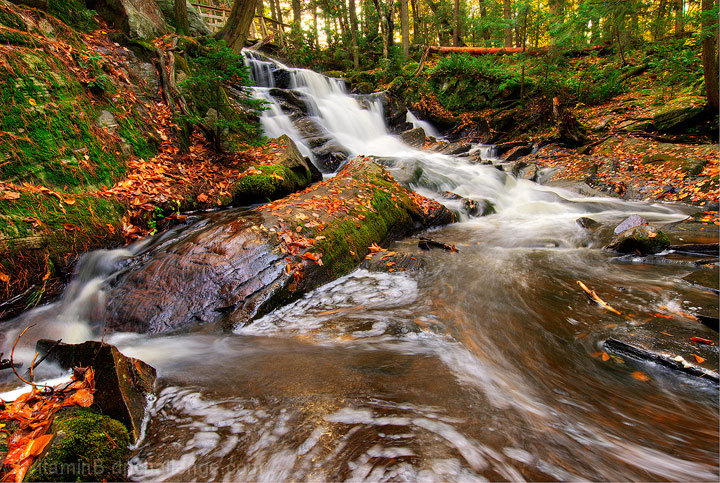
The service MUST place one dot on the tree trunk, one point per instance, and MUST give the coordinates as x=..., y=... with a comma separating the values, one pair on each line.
x=260, y=12
x=236, y=28
x=710, y=54
x=416, y=22
x=659, y=27
x=316, y=35
x=456, y=23
x=297, y=14
x=405, y=28
x=182, y=26
x=679, y=21
x=507, y=15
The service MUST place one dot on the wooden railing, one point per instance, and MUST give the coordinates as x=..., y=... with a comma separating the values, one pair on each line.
x=215, y=17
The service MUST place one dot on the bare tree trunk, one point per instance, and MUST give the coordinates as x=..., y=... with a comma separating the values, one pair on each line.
x=710, y=54
x=679, y=21
x=182, y=26
x=507, y=15
x=456, y=23
x=236, y=28
x=297, y=14
x=316, y=35
x=352, y=13
x=659, y=27
x=405, y=28
x=416, y=21
x=383, y=27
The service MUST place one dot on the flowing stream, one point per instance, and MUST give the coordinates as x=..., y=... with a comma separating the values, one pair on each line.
x=477, y=367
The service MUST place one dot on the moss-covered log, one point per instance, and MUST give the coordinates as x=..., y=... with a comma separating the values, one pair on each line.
x=243, y=265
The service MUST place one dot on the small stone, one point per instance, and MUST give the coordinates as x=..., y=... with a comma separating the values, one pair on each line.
x=630, y=223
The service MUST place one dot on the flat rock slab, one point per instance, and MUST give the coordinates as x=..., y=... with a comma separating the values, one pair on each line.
x=241, y=265
x=668, y=342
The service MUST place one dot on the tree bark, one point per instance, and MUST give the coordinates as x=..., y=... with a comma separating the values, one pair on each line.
x=236, y=28
x=182, y=26
x=456, y=23
x=405, y=28
x=352, y=13
x=679, y=21
x=710, y=54
x=507, y=15
x=297, y=14
x=260, y=12
x=416, y=21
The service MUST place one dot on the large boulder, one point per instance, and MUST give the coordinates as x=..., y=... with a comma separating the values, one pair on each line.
x=676, y=118
x=140, y=19
x=198, y=27
x=241, y=266
x=121, y=383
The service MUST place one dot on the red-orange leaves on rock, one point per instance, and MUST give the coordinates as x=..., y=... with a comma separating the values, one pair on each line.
x=202, y=197
x=34, y=412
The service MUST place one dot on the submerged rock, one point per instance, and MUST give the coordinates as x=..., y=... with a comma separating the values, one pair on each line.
x=242, y=265
x=121, y=383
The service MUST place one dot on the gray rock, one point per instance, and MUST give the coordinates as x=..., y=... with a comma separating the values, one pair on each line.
x=198, y=27
x=107, y=121
x=667, y=121
x=140, y=19
x=631, y=222
x=414, y=137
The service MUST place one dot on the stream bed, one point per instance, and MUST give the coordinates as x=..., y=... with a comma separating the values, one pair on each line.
x=482, y=365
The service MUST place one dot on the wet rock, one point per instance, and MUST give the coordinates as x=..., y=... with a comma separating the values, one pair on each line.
x=502, y=148
x=631, y=222
x=587, y=223
x=291, y=102
x=642, y=240
x=691, y=230
x=287, y=154
x=121, y=383
x=454, y=149
x=647, y=351
x=517, y=152
x=330, y=155
x=282, y=78
x=529, y=172
x=395, y=112
x=425, y=243
x=414, y=137
x=390, y=261
x=139, y=19
x=704, y=278
x=235, y=269
x=198, y=27
x=478, y=208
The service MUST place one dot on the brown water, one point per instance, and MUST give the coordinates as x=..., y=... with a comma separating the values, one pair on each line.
x=478, y=367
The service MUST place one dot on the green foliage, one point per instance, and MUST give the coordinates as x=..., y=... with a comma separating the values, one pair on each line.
x=213, y=66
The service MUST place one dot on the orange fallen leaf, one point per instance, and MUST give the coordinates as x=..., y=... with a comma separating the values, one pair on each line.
x=202, y=197
x=640, y=376
x=11, y=195
x=699, y=359
x=4, y=277
x=605, y=356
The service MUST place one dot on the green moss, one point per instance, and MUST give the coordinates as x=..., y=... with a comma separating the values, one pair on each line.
x=74, y=13
x=52, y=137
x=274, y=182
x=8, y=18
x=87, y=447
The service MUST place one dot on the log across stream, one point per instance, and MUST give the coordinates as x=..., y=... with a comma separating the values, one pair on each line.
x=483, y=362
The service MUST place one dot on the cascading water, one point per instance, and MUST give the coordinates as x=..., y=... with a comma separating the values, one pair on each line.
x=477, y=367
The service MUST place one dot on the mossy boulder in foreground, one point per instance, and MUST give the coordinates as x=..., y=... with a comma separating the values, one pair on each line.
x=87, y=447
x=244, y=264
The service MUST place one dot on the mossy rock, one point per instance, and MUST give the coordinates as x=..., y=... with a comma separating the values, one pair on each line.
x=642, y=240
x=87, y=447
x=271, y=183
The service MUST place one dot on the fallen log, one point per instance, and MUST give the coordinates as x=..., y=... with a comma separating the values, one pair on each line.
x=435, y=49
x=242, y=265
